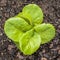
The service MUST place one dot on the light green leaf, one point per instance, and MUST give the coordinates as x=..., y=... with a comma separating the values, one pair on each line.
x=30, y=42
x=15, y=27
x=46, y=31
x=32, y=13
x=26, y=17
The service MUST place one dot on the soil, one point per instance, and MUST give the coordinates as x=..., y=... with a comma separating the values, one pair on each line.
x=49, y=51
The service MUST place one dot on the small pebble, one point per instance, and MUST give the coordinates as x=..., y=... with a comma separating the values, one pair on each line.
x=58, y=51
x=51, y=45
x=43, y=58
x=59, y=26
x=10, y=47
x=58, y=58
x=1, y=34
x=43, y=51
x=2, y=53
x=19, y=56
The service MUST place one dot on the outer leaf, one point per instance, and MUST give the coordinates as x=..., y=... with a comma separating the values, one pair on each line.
x=46, y=31
x=30, y=42
x=33, y=13
x=15, y=27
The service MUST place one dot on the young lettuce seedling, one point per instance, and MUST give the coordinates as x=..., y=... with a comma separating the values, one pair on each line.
x=26, y=29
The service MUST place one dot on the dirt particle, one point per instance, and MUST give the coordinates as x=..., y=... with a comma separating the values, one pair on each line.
x=3, y=3
x=51, y=45
x=43, y=51
x=43, y=58
x=19, y=56
x=10, y=47
x=2, y=53
x=58, y=51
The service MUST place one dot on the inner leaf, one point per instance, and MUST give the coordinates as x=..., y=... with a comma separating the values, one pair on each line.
x=24, y=17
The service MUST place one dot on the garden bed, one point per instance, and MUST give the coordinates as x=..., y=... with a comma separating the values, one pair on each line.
x=49, y=51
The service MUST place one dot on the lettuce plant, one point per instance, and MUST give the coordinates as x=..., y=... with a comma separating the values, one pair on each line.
x=26, y=30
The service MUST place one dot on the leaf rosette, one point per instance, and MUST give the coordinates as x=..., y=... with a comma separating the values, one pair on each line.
x=26, y=29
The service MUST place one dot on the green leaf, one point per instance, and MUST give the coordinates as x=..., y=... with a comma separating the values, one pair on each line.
x=32, y=13
x=30, y=42
x=26, y=17
x=46, y=31
x=15, y=27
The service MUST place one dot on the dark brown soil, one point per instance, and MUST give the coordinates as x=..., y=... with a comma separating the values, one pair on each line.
x=49, y=51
